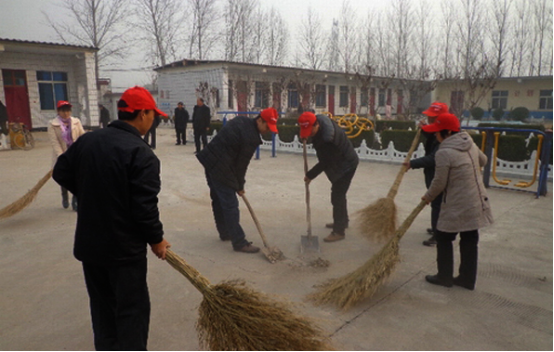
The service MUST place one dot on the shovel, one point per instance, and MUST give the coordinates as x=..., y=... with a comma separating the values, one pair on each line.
x=272, y=254
x=309, y=242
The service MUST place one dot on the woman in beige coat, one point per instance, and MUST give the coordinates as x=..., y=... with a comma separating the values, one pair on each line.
x=63, y=130
x=465, y=206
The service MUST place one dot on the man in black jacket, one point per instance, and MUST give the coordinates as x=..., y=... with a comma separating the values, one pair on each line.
x=181, y=120
x=427, y=162
x=200, y=123
x=104, y=116
x=337, y=158
x=225, y=160
x=116, y=177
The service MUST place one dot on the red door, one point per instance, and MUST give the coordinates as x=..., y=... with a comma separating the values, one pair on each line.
x=242, y=96
x=17, y=96
x=400, y=102
x=332, y=100
x=353, y=100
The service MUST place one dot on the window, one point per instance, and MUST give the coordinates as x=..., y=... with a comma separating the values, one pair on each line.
x=292, y=96
x=545, y=100
x=382, y=97
x=320, y=92
x=261, y=95
x=52, y=87
x=364, y=97
x=343, y=99
x=230, y=100
x=14, y=78
x=499, y=99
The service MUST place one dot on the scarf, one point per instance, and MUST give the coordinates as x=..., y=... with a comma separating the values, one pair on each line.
x=65, y=124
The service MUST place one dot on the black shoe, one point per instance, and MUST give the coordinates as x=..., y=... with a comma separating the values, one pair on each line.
x=459, y=282
x=74, y=203
x=435, y=280
x=432, y=242
x=330, y=225
x=249, y=248
x=65, y=203
x=430, y=231
x=177, y=143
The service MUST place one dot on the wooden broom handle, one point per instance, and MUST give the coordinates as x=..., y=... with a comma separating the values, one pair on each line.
x=264, y=240
x=402, y=171
x=201, y=283
x=308, y=209
x=410, y=219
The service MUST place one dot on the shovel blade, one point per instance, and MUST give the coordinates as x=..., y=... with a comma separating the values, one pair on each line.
x=273, y=254
x=309, y=244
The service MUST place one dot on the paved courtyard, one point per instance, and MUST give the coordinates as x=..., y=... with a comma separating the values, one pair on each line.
x=44, y=304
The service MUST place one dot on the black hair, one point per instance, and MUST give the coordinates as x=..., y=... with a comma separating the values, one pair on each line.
x=444, y=133
x=125, y=115
x=64, y=108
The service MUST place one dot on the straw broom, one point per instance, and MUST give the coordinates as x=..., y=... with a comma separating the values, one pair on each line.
x=377, y=221
x=362, y=283
x=233, y=316
x=24, y=201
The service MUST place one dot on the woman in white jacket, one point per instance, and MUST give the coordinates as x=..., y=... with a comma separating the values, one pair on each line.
x=63, y=130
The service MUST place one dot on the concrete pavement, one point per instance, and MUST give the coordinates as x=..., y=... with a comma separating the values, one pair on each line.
x=44, y=304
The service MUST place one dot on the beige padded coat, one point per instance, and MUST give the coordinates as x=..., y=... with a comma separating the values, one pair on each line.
x=56, y=139
x=465, y=205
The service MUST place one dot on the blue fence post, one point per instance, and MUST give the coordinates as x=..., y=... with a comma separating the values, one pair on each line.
x=272, y=145
x=488, y=152
x=258, y=153
x=545, y=161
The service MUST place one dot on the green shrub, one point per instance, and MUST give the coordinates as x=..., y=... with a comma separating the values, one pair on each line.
x=382, y=125
x=497, y=114
x=519, y=114
x=507, y=125
x=477, y=138
x=286, y=133
x=369, y=137
x=215, y=126
x=477, y=113
x=402, y=139
x=512, y=148
x=287, y=121
x=533, y=143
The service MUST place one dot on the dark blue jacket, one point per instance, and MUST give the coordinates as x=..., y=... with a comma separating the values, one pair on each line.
x=116, y=178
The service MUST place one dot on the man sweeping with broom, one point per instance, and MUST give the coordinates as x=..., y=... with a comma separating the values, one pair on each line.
x=225, y=160
x=116, y=177
x=337, y=158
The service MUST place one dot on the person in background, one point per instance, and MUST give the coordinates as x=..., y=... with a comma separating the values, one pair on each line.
x=465, y=208
x=63, y=131
x=116, y=176
x=225, y=160
x=427, y=162
x=181, y=121
x=337, y=158
x=201, y=124
x=150, y=136
x=104, y=116
x=3, y=125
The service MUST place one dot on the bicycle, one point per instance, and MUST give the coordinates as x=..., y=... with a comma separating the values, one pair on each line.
x=20, y=136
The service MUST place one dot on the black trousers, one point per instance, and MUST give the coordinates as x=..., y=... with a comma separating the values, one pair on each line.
x=119, y=305
x=435, y=211
x=181, y=135
x=200, y=135
x=338, y=200
x=468, y=255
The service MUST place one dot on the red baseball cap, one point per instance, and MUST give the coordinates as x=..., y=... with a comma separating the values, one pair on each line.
x=306, y=122
x=138, y=98
x=443, y=122
x=63, y=103
x=436, y=109
x=270, y=116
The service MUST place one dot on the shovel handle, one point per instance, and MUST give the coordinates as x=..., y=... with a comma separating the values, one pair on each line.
x=264, y=240
x=308, y=210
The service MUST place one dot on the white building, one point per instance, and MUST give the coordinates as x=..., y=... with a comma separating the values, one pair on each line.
x=35, y=75
x=233, y=86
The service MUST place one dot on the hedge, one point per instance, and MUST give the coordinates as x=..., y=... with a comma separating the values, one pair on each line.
x=507, y=125
x=402, y=139
x=381, y=125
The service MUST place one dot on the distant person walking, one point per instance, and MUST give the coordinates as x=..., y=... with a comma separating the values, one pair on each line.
x=181, y=120
x=201, y=124
x=63, y=131
x=104, y=116
x=150, y=136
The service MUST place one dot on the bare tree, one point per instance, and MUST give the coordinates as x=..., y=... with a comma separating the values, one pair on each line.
x=447, y=30
x=312, y=41
x=470, y=31
x=204, y=32
x=258, y=37
x=499, y=32
x=383, y=46
x=347, y=35
x=365, y=60
x=277, y=39
x=401, y=28
x=94, y=23
x=333, y=47
x=542, y=15
x=423, y=41
x=238, y=31
x=159, y=23
x=521, y=38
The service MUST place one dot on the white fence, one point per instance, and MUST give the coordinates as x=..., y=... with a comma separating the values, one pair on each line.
x=522, y=169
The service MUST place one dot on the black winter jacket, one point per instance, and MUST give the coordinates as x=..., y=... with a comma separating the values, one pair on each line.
x=201, y=117
x=228, y=154
x=181, y=118
x=335, y=153
x=116, y=177
x=427, y=162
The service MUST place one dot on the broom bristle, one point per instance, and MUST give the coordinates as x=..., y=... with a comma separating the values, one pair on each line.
x=377, y=221
x=23, y=202
x=360, y=284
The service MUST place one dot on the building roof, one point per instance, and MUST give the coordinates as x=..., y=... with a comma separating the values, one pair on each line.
x=13, y=44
